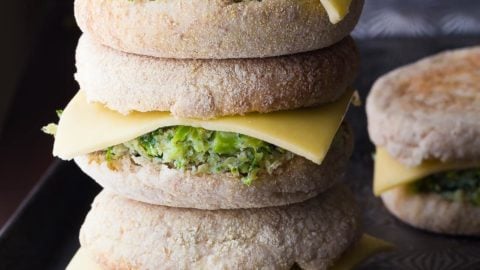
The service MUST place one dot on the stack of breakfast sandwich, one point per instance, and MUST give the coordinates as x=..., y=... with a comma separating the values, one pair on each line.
x=215, y=128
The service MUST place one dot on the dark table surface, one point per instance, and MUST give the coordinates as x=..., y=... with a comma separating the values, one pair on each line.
x=43, y=233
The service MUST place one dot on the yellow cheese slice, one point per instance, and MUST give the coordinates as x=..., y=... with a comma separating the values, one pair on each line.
x=88, y=127
x=366, y=247
x=336, y=9
x=82, y=261
x=390, y=173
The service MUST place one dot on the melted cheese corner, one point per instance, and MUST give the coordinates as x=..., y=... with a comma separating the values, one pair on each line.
x=366, y=247
x=363, y=249
x=82, y=261
x=336, y=9
x=88, y=127
x=389, y=173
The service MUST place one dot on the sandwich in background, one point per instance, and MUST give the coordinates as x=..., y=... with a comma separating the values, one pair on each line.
x=424, y=119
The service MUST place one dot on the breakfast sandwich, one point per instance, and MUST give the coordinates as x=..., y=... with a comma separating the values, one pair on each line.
x=216, y=129
x=424, y=119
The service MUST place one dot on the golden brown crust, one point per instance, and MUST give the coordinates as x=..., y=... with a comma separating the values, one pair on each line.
x=432, y=212
x=429, y=109
x=214, y=29
x=214, y=88
x=295, y=181
x=125, y=234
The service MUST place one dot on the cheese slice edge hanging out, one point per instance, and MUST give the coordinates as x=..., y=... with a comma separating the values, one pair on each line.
x=88, y=127
x=336, y=9
x=390, y=173
x=366, y=247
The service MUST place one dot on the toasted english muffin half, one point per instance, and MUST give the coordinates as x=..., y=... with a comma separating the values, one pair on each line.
x=295, y=181
x=216, y=29
x=214, y=88
x=432, y=212
x=429, y=109
x=119, y=233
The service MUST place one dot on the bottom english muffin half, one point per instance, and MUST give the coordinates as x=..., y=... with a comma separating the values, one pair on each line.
x=119, y=233
x=296, y=180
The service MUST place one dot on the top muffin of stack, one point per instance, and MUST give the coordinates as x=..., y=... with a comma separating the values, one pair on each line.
x=217, y=29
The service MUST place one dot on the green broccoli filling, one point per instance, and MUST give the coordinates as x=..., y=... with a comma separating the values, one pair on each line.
x=199, y=151
x=204, y=151
x=51, y=128
x=460, y=185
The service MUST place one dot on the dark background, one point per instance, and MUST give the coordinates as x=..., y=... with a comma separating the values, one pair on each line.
x=37, y=66
x=36, y=77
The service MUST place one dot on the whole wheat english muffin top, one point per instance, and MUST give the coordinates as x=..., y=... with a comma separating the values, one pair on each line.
x=215, y=29
x=429, y=109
